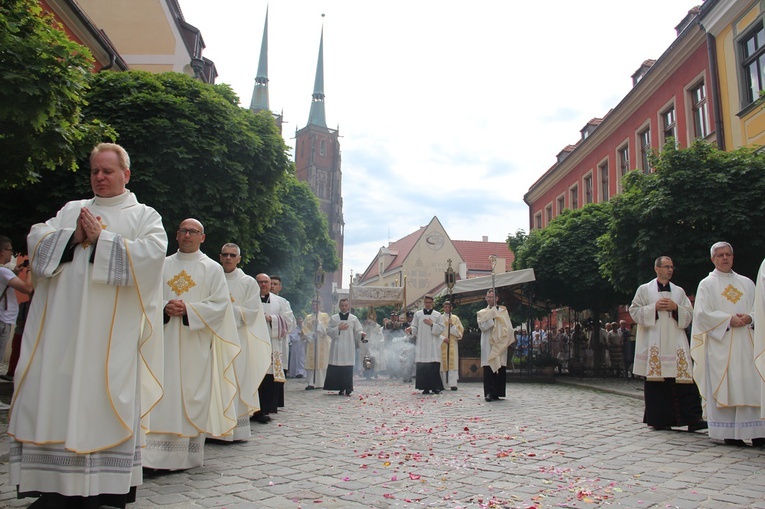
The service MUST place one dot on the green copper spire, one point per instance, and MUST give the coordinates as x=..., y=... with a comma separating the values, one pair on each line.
x=316, y=116
x=260, y=92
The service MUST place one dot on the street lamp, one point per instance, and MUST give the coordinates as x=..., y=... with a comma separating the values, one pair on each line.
x=318, y=282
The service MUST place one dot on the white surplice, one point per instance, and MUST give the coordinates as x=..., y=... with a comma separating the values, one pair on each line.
x=342, y=352
x=661, y=345
x=724, y=366
x=89, y=346
x=252, y=362
x=428, y=337
x=282, y=322
x=200, y=348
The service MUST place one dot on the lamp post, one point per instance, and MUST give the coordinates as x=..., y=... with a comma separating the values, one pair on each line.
x=449, y=280
x=318, y=282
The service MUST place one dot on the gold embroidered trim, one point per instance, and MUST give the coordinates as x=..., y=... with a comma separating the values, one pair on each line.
x=654, y=363
x=732, y=293
x=181, y=283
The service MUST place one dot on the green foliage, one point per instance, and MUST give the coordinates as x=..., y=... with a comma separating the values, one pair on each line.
x=195, y=153
x=294, y=242
x=564, y=259
x=696, y=197
x=43, y=80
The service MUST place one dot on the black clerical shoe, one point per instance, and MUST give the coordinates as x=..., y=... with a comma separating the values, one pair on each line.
x=488, y=399
x=340, y=392
x=436, y=392
x=454, y=388
x=298, y=376
x=261, y=418
x=698, y=425
x=348, y=393
x=758, y=442
x=735, y=442
x=309, y=387
x=426, y=391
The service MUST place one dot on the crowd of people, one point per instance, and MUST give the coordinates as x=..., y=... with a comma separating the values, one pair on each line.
x=128, y=360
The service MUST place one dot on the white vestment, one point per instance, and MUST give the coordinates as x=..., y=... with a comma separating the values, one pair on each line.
x=282, y=322
x=89, y=346
x=317, y=348
x=496, y=336
x=428, y=337
x=200, y=348
x=724, y=366
x=252, y=362
x=759, y=334
x=342, y=352
x=661, y=345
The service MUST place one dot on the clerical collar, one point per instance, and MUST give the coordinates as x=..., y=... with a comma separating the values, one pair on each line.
x=427, y=311
x=663, y=287
x=344, y=316
x=265, y=298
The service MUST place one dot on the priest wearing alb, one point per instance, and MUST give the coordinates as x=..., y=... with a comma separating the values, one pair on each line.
x=317, y=347
x=346, y=333
x=252, y=362
x=94, y=321
x=450, y=359
x=723, y=352
x=496, y=337
x=426, y=329
x=662, y=312
x=201, y=342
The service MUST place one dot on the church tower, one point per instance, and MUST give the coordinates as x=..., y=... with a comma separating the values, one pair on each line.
x=259, y=100
x=317, y=161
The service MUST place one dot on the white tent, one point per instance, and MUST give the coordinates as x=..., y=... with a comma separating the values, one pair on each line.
x=484, y=283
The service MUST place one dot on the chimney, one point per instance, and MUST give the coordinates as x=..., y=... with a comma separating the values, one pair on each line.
x=485, y=238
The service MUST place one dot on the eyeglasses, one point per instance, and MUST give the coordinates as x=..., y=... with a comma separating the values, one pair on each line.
x=7, y=249
x=228, y=255
x=192, y=233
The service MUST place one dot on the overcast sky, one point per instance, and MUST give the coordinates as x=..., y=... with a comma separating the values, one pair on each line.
x=445, y=108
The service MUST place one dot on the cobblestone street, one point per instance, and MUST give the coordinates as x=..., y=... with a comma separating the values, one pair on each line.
x=386, y=446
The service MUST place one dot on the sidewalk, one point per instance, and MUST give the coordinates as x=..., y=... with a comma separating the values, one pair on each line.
x=630, y=387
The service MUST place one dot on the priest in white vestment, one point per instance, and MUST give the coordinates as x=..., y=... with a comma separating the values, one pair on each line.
x=317, y=347
x=662, y=312
x=281, y=321
x=252, y=362
x=450, y=359
x=723, y=352
x=94, y=322
x=426, y=329
x=759, y=334
x=346, y=333
x=201, y=343
x=496, y=337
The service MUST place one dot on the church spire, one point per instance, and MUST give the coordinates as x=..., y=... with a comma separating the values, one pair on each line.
x=260, y=92
x=316, y=116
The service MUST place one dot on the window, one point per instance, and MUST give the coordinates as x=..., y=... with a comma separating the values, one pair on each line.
x=603, y=169
x=624, y=160
x=574, y=197
x=668, y=122
x=323, y=148
x=549, y=213
x=645, y=149
x=538, y=220
x=588, y=189
x=699, y=111
x=561, y=203
x=753, y=55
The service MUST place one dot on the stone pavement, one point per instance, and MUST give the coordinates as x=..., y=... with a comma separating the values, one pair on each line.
x=388, y=446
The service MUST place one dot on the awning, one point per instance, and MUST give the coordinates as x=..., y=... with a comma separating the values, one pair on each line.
x=361, y=296
x=483, y=283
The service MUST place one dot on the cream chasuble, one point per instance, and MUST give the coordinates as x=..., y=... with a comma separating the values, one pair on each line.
x=496, y=336
x=318, y=340
x=759, y=334
x=252, y=362
x=90, y=342
x=661, y=345
x=725, y=354
x=199, y=361
x=454, y=332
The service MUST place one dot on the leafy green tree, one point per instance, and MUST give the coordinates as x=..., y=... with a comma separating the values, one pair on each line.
x=294, y=242
x=696, y=197
x=43, y=80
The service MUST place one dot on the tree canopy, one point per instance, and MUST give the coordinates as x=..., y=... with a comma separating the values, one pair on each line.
x=43, y=80
x=696, y=197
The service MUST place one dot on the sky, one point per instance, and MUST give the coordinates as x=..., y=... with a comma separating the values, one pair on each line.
x=445, y=108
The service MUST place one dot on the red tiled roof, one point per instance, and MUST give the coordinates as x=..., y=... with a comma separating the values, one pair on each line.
x=476, y=254
x=402, y=247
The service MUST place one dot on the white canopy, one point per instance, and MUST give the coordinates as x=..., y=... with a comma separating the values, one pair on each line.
x=512, y=278
x=376, y=295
